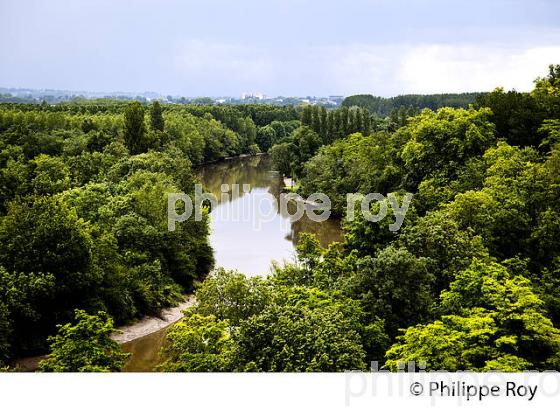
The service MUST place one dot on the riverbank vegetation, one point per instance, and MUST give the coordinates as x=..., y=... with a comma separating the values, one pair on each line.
x=470, y=282
x=83, y=221
x=405, y=104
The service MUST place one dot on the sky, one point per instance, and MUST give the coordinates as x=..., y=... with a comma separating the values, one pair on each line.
x=277, y=47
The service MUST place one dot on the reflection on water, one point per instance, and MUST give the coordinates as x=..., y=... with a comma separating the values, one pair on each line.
x=248, y=244
x=248, y=230
x=144, y=352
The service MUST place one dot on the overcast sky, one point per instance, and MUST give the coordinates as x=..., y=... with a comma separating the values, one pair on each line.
x=278, y=47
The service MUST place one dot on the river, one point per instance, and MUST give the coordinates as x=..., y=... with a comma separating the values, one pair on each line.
x=251, y=230
x=248, y=232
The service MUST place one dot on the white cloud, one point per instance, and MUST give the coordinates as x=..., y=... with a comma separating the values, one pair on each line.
x=384, y=70
x=444, y=68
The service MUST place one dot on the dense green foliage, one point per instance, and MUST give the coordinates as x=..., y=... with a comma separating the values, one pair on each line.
x=83, y=222
x=492, y=320
x=385, y=106
x=470, y=281
x=85, y=346
x=254, y=324
x=156, y=117
x=319, y=127
x=198, y=343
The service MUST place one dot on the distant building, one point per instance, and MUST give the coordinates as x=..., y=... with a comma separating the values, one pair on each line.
x=253, y=96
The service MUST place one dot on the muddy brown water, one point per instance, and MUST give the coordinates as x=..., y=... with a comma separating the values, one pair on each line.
x=251, y=230
x=145, y=352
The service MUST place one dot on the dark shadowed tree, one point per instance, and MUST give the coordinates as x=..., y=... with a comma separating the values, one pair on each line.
x=156, y=117
x=134, y=128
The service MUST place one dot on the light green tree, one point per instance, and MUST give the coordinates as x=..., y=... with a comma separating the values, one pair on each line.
x=85, y=346
x=492, y=321
x=197, y=344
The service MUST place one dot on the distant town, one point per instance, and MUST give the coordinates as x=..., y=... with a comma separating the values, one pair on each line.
x=52, y=96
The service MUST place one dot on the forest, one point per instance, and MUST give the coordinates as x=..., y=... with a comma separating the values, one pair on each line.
x=385, y=106
x=82, y=224
x=470, y=282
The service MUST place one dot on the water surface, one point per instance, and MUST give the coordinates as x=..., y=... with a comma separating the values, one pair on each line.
x=248, y=233
x=251, y=230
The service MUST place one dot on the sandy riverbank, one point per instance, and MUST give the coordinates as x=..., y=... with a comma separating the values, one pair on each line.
x=128, y=333
x=151, y=324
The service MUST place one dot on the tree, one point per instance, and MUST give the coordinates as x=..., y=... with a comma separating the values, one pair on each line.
x=266, y=138
x=231, y=296
x=248, y=133
x=402, y=116
x=307, y=142
x=383, y=106
x=85, y=346
x=280, y=130
x=440, y=142
x=492, y=321
x=353, y=164
x=511, y=206
x=308, y=251
x=394, y=119
x=551, y=130
x=306, y=115
x=135, y=128
x=301, y=335
x=369, y=237
x=41, y=236
x=517, y=116
x=315, y=119
x=366, y=122
x=324, y=127
x=448, y=249
x=197, y=344
x=24, y=302
x=50, y=175
x=156, y=117
x=44, y=235
x=14, y=178
x=454, y=343
x=281, y=155
x=316, y=267
x=5, y=332
x=332, y=127
x=98, y=140
x=343, y=124
x=395, y=286
x=547, y=92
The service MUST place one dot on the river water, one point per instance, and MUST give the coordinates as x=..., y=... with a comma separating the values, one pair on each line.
x=248, y=232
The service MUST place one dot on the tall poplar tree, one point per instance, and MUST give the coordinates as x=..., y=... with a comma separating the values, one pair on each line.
x=156, y=117
x=134, y=128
